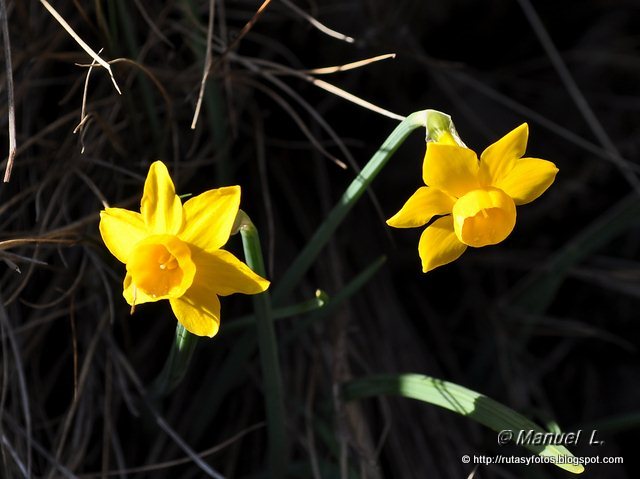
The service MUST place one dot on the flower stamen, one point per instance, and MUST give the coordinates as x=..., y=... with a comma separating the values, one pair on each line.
x=168, y=263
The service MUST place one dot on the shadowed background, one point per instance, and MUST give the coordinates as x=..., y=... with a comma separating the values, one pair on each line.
x=545, y=322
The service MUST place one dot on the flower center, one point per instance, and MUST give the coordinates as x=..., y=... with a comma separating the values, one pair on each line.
x=484, y=217
x=167, y=261
x=161, y=266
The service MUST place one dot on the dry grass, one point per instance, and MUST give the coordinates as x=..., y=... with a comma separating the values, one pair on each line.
x=75, y=365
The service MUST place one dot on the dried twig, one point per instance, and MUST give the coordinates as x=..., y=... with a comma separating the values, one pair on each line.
x=297, y=120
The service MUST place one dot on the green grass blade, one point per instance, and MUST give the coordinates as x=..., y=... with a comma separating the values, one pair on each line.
x=351, y=288
x=353, y=192
x=336, y=301
x=458, y=399
x=304, y=307
x=268, y=353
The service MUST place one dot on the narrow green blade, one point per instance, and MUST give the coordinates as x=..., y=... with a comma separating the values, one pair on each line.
x=268, y=349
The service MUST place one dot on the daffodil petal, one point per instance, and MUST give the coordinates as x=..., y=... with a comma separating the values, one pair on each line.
x=528, y=179
x=133, y=295
x=447, y=138
x=452, y=169
x=160, y=206
x=209, y=217
x=423, y=205
x=439, y=245
x=120, y=230
x=225, y=274
x=499, y=158
x=198, y=311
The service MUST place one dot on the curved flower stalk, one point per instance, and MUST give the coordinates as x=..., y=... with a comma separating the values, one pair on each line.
x=172, y=251
x=476, y=199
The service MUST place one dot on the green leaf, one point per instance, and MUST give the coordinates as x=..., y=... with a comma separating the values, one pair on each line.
x=458, y=399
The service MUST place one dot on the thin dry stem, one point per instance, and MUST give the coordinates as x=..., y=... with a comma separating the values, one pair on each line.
x=74, y=346
x=207, y=64
x=282, y=69
x=10, y=93
x=24, y=241
x=247, y=27
x=348, y=66
x=297, y=120
x=353, y=98
x=320, y=26
x=152, y=25
x=83, y=116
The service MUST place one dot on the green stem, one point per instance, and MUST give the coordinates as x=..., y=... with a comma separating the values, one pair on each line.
x=268, y=347
x=177, y=363
x=298, y=309
x=435, y=122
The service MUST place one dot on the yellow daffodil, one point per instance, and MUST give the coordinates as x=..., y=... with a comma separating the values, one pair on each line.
x=172, y=251
x=476, y=199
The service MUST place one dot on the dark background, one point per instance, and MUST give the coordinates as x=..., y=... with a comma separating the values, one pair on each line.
x=545, y=322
